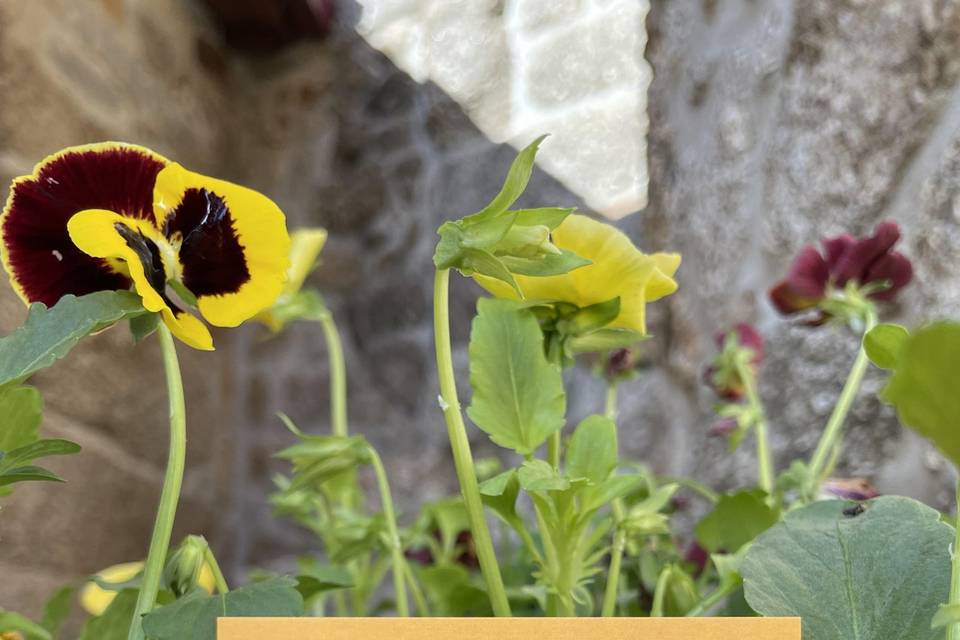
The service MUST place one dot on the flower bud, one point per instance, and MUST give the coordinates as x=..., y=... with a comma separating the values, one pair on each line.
x=187, y=567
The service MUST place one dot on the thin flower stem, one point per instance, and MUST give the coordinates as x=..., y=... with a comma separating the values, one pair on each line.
x=620, y=535
x=764, y=458
x=423, y=610
x=715, y=597
x=170, y=494
x=660, y=593
x=396, y=548
x=830, y=439
x=953, y=631
x=338, y=375
x=460, y=445
x=697, y=487
x=218, y=579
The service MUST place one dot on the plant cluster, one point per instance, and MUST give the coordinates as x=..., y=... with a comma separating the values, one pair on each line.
x=111, y=233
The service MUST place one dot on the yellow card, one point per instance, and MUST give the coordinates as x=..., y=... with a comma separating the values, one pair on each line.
x=508, y=628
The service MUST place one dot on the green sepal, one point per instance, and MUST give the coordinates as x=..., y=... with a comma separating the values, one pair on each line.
x=884, y=343
x=142, y=327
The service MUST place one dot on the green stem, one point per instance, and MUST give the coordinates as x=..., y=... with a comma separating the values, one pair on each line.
x=423, y=610
x=620, y=535
x=953, y=631
x=396, y=549
x=218, y=578
x=764, y=458
x=170, y=494
x=660, y=593
x=715, y=597
x=830, y=439
x=338, y=376
x=616, y=556
x=462, y=457
x=553, y=450
x=697, y=487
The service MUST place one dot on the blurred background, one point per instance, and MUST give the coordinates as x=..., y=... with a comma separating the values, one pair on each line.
x=767, y=124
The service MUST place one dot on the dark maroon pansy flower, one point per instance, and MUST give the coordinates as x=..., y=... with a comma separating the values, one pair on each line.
x=844, y=259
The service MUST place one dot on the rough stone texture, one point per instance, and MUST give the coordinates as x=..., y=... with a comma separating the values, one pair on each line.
x=571, y=68
x=80, y=72
x=774, y=123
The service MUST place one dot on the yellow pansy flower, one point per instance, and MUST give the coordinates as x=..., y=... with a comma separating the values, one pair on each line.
x=113, y=215
x=617, y=270
x=94, y=599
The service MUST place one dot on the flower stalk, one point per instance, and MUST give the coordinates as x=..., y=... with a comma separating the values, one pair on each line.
x=460, y=445
x=609, y=606
x=764, y=457
x=396, y=548
x=338, y=375
x=829, y=444
x=170, y=494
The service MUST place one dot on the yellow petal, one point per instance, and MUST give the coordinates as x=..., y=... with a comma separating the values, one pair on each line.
x=618, y=269
x=94, y=231
x=259, y=227
x=305, y=246
x=95, y=599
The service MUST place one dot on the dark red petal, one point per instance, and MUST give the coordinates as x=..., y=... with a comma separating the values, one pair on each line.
x=40, y=257
x=788, y=301
x=211, y=254
x=749, y=338
x=722, y=427
x=894, y=268
x=809, y=274
x=858, y=259
x=835, y=248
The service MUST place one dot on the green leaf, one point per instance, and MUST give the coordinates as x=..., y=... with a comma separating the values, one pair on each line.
x=26, y=474
x=142, y=327
x=500, y=494
x=114, y=623
x=195, y=616
x=883, y=344
x=736, y=519
x=551, y=264
x=538, y=475
x=605, y=340
x=518, y=398
x=550, y=217
x=57, y=609
x=609, y=490
x=21, y=410
x=485, y=263
x=49, y=334
x=878, y=574
x=592, y=451
x=10, y=621
x=38, y=449
x=923, y=387
x=515, y=182
x=594, y=317
x=317, y=578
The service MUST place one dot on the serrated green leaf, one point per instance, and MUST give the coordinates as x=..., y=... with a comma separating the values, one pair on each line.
x=317, y=578
x=142, y=327
x=538, y=475
x=736, y=519
x=21, y=411
x=518, y=398
x=923, y=387
x=881, y=573
x=883, y=344
x=114, y=623
x=195, y=616
x=49, y=334
x=592, y=451
x=10, y=621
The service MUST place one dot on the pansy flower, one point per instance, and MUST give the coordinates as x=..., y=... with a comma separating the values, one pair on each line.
x=305, y=247
x=867, y=263
x=617, y=269
x=95, y=599
x=114, y=216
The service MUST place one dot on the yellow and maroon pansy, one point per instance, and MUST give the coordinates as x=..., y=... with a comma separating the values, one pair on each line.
x=115, y=216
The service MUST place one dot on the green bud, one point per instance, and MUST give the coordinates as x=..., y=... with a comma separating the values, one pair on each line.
x=183, y=568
